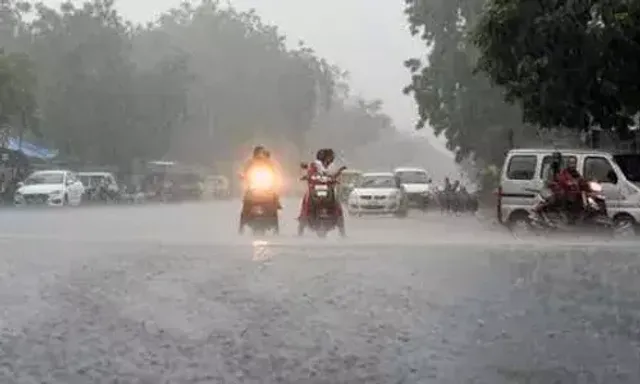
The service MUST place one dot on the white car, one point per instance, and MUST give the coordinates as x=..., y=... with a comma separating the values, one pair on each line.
x=377, y=193
x=52, y=188
x=417, y=186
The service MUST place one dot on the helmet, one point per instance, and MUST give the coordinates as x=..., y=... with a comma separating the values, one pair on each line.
x=258, y=150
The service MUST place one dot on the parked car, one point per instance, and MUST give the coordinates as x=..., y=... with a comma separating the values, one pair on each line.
x=99, y=186
x=216, y=187
x=417, y=186
x=50, y=188
x=378, y=193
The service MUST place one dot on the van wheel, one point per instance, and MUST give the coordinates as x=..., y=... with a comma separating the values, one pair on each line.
x=519, y=225
x=624, y=226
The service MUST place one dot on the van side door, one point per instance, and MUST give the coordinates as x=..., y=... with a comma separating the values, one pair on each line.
x=519, y=182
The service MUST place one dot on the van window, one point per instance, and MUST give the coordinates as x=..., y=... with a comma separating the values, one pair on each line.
x=546, y=165
x=597, y=168
x=522, y=167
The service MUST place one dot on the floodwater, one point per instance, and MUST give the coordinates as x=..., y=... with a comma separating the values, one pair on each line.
x=153, y=294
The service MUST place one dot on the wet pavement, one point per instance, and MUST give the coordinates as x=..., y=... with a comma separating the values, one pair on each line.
x=156, y=294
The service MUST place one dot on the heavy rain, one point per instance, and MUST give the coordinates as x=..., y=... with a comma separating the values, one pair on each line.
x=209, y=193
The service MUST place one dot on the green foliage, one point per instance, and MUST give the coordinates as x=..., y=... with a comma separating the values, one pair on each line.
x=568, y=63
x=17, y=87
x=451, y=97
x=197, y=85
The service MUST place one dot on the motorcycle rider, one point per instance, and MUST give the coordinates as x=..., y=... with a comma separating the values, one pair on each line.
x=260, y=158
x=563, y=186
x=573, y=185
x=320, y=166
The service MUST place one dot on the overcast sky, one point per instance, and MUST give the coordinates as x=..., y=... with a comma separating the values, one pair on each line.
x=368, y=38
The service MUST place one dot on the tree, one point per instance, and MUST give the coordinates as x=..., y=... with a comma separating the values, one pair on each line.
x=451, y=98
x=248, y=86
x=198, y=85
x=17, y=87
x=567, y=63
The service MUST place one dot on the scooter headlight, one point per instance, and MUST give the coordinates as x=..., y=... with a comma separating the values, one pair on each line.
x=261, y=179
x=595, y=187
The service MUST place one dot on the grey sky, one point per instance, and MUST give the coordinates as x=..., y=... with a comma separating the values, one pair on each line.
x=371, y=42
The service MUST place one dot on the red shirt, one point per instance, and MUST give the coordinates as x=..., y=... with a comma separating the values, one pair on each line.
x=568, y=183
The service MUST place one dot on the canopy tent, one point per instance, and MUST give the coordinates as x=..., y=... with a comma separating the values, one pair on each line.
x=30, y=149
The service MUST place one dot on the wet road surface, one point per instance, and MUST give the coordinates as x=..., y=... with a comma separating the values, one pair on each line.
x=156, y=294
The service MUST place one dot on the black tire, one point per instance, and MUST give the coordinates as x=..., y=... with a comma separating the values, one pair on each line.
x=624, y=220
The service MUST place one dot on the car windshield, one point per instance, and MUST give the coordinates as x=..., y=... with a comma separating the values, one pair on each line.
x=44, y=178
x=413, y=177
x=630, y=166
x=377, y=182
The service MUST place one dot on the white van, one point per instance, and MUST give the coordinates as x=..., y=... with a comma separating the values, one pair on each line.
x=525, y=170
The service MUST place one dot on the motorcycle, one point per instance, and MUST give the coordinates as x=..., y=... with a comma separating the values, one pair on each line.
x=323, y=217
x=261, y=195
x=590, y=213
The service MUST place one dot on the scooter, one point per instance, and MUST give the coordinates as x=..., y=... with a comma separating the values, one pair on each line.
x=323, y=215
x=261, y=195
x=588, y=215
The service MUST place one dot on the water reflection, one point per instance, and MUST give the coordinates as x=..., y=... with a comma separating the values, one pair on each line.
x=261, y=251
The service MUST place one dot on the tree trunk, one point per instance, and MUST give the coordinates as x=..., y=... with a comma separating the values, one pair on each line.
x=595, y=138
x=23, y=128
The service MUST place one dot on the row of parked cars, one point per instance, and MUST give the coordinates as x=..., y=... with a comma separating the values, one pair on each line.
x=64, y=187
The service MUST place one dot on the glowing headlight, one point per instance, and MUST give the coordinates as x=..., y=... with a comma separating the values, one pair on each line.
x=595, y=187
x=262, y=179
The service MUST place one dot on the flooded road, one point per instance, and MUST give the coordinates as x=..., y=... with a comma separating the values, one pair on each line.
x=156, y=294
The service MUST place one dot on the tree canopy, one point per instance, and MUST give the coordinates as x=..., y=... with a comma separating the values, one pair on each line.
x=17, y=87
x=452, y=99
x=199, y=84
x=567, y=63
